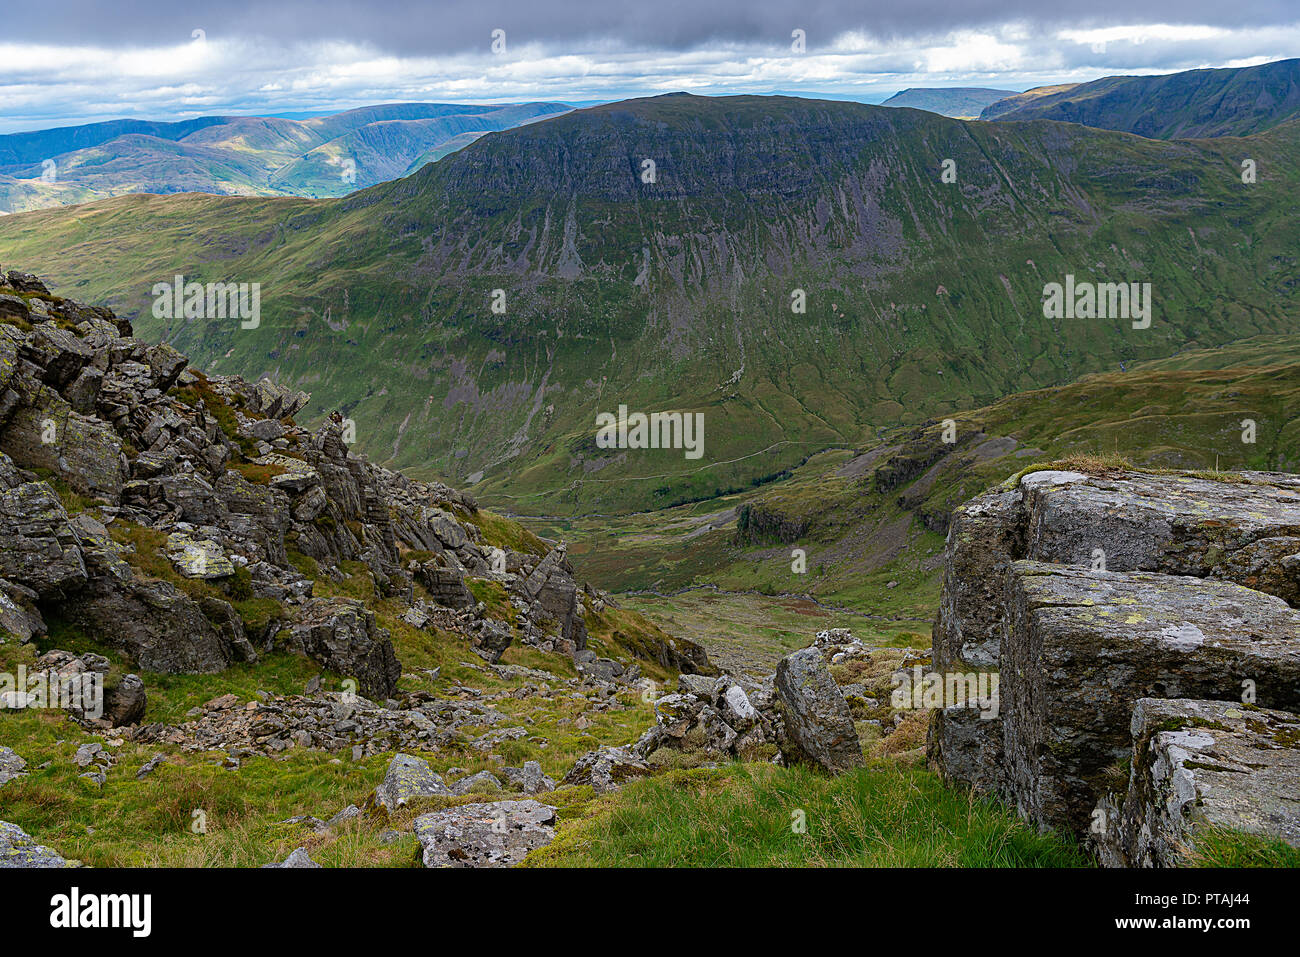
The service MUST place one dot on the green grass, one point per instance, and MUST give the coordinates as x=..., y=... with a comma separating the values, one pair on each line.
x=1224, y=847
x=742, y=815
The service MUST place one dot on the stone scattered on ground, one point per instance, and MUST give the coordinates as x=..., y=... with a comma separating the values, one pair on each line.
x=299, y=858
x=499, y=834
x=406, y=779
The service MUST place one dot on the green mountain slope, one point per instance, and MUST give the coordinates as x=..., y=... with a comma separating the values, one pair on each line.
x=1227, y=102
x=240, y=155
x=875, y=514
x=923, y=297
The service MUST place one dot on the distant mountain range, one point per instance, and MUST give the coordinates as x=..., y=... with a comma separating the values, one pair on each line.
x=960, y=102
x=1230, y=102
x=475, y=318
x=329, y=155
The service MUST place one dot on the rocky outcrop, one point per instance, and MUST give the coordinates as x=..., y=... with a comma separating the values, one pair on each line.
x=41, y=551
x=341, y=635
x=1083, y=647
x=212, y=474
x=1197, y=765
x=1089, y=594
x=818, y=725
x=155, y=625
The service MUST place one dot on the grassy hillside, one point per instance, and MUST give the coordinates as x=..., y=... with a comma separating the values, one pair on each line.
x=923, y=297
x=1227, y=102
x=871, y=520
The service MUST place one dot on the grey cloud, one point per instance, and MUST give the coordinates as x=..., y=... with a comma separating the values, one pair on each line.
x=408, y=27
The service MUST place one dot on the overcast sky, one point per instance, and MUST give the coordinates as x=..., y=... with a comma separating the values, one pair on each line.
x=76, y=61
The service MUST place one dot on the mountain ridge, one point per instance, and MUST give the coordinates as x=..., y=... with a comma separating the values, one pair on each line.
x=1197, y=103
x=924, y=297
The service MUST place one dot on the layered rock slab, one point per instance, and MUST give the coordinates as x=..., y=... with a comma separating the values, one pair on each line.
x=1245, y=531
x=1082, y=647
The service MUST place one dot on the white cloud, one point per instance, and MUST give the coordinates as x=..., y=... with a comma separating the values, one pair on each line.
x=43, y=85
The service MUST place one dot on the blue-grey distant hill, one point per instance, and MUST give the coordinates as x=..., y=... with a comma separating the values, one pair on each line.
x=957, y=101
x=315, y=156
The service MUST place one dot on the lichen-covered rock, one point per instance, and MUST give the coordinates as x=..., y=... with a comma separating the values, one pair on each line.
x=606, y=769
x=1198, y=764
x=499, y=834
x=83, y=451
x=1082, y=647
x=1174, y=524
x=38, y=547
x=341, y=635
x=1245, y=531
x=18, y=849
x=819, y=727
x=198, y=557
x=407, y=778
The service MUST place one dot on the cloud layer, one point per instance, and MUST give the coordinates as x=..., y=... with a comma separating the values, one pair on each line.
x=86, y=61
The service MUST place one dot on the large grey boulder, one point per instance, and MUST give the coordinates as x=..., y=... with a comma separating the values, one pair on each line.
x=499, y=834
x=818, y=726
x=18, y=849
x=1196, y=765
x=341, y=635
x=407, y=778
x=1082, y=647
x=158, y=627
x=1245, y=531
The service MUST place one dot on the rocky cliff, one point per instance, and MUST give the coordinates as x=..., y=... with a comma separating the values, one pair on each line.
x=183, y=520
x=1136, y=620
